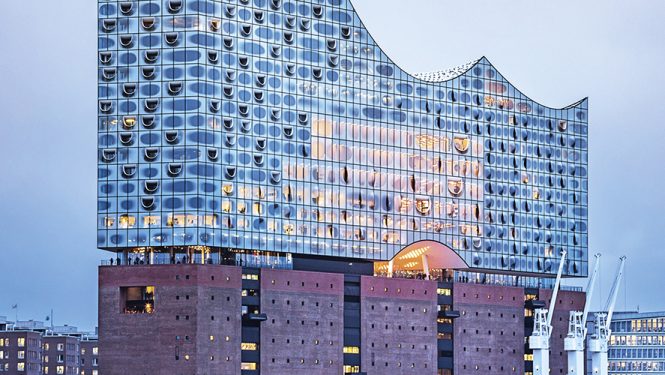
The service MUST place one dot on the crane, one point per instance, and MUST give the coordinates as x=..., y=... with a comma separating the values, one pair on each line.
x=539, y=341
x=577, y=330
x=599, y=340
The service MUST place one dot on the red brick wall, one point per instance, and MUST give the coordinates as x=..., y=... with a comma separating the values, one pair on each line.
x=490, y=331
x=70, y=354
x=88, y=357
x=184, y=319
x=32, y=349
x=398, y=326
x=304, y=330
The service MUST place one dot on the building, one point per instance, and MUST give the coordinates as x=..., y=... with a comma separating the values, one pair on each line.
x=89, y=364
x=20, y=352
x=28, y=347
x=60, y=354
x=637, y=344
x=266, y=157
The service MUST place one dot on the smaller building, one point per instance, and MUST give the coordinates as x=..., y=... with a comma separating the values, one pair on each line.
x=637, y=344
x=20, y=352
x=60, y=354
x=89, y=358
x=30, y=348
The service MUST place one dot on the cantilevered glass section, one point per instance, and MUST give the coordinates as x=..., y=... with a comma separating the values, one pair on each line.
x=281, y=126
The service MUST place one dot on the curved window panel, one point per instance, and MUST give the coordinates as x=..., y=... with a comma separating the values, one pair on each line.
x=455, y=187
x=148, y=23
x=151, y=56
x=128, y=170
x=175, y=6
x=174, y=169
x=461, y=144
x=151, y=186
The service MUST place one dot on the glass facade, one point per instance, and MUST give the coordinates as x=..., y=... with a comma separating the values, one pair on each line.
x=637, y=344
x=282, y=126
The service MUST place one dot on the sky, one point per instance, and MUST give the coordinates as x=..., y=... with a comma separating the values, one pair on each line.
x=556, y=52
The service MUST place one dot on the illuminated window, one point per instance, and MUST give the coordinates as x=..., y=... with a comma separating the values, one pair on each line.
x=443, y=291
x=248, y=366
x=95, y=350
x=109, y=221
x=351, y=350
x=348, y=369
x=21, y=354
x=151, y=221
x=137, y=300
x=60, y=369
x=20, y=366
x=21, y=342
x=127, y=221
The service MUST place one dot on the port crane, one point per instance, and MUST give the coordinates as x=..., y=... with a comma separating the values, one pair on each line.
x=539, y=341
x=602, y=332
x=577, y=328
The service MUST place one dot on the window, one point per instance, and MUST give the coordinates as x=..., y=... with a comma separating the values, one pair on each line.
x=248, y=346
x=60, y=369
x=21, y=354
x=351, y=369
x=351, y=350
x=20, y=366
x=443, y=291
x=248, y=366
x=61, y=347
x=21, y=342
x=137, y=300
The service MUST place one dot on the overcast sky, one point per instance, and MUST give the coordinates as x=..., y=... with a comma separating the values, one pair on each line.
x=556, y=52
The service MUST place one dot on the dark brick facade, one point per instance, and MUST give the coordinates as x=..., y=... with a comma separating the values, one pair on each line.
x=398, y=326
x=489, y=334
x=89, y=363
x=61, y=353
x=194, y=329
x=21, y=352
x=303, y=323
x=304, y=327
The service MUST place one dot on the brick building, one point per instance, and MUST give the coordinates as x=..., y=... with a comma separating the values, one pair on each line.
x=206, y=319
x=28, y=348
x=60, y=354
x=21, y=352
x=89, y=358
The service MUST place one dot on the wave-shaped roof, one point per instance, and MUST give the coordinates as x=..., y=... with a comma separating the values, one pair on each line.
x=447, y=74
